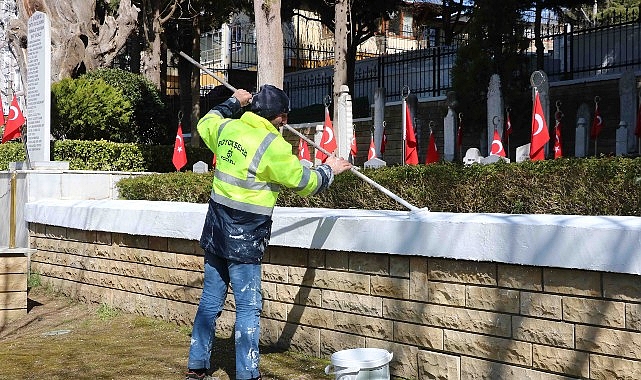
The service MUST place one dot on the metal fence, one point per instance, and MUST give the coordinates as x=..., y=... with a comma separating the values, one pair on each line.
x=608, y=45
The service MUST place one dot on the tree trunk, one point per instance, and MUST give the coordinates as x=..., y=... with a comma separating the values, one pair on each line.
x=340, y=48
x=540, y=49
x=269, y=42
x=150, y=56
x=195, y=85
x=80, y=39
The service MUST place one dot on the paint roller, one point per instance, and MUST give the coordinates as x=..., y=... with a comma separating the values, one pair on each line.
x=413, y=209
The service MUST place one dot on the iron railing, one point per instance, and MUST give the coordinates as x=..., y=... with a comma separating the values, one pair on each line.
x=572, y=51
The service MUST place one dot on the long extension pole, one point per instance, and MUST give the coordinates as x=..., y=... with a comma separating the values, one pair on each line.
x=362, y=176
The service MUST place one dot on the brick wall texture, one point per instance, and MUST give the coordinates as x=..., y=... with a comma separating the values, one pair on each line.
x=13, y=287
x=442, y=318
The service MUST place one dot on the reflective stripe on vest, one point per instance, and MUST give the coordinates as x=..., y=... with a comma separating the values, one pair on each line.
x=250, y=182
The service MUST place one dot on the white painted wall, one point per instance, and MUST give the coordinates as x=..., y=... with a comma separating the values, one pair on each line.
x=35, y=185
x=603, y=243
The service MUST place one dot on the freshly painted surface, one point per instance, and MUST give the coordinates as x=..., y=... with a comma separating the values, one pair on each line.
x=604, y=243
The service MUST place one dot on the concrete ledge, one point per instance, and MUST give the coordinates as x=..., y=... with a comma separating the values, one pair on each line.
x=603, y=243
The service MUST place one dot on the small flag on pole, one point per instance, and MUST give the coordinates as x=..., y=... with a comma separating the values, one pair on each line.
x=372, y=150
x=540, y=133
x=597, y=123
x=432, y=150
x=497, y=145
x=14, y=121
x=303, y=150
x=558, y=148
x=353, y=147
x=328, y=140
x=411, y=152
x=180, y=155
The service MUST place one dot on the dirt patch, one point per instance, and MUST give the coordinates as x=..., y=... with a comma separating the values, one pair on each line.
x=63, y=339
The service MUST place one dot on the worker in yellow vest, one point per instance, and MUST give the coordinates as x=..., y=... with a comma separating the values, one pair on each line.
x=253, y=162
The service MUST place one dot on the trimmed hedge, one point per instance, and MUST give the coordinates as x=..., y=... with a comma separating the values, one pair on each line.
x=604, y=186
x=110, y=156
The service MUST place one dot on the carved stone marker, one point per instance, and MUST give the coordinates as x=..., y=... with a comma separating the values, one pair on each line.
x=472, y=156
x=39, y=88
x=200, y=167
x=523, y=153
x=374, y=163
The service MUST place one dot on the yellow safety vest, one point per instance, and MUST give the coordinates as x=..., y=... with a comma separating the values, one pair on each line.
x=252, y=161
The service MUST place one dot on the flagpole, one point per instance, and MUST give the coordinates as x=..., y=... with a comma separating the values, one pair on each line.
x=404, y=122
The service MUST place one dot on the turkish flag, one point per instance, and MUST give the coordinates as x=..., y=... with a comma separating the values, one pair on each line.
x=508, y=125
x=597, y=123
x=558, y=149
x=497, y=145
x=540, y=133
x=353, y=148
x=384, y=142
x=637, y=131
x=371, y=153
x=411, y=151
x=459, y=134
x=14, y=122
x=303, y=150
x=180, y=156
x=432, y=150
x=328, y=140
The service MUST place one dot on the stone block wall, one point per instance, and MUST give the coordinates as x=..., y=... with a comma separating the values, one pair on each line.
x=13, y=286
x=442, y=318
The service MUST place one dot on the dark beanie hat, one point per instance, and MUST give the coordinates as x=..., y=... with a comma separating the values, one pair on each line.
x=270, y=101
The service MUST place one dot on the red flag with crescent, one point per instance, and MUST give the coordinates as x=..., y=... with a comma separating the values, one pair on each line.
x=558, y=148
x=14, y=121
x=353, y=149
x=372, y=150
x=411, y=150
x=303, y=150
x=459, y=134
x=540, y=133
x=328, y=140
x=180, y=155
x=637, y=131
x=432, y=150
x=597, y=123
x=384, y=142
x=497, y=145
x=508, y=125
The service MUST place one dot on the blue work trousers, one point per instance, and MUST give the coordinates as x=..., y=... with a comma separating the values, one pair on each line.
x=245, y=283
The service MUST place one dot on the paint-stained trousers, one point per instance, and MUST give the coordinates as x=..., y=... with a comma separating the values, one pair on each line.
x=245, y=282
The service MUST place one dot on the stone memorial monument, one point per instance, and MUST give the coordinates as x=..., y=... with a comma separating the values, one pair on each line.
x=495, y=117
x=450, y=128
x=374, y=163
x=622, y=139
x=628, y=109
x=39, y=91
x=523, y=153
x=472, y=156
x=200, y=167
x=582, y=136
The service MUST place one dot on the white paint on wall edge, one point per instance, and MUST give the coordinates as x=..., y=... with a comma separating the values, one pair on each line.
x=603, y=243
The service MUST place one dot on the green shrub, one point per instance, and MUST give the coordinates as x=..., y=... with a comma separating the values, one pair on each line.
x=604, y=186
x=89, y=109
x=183, y=187
x=110, y=156
x=11, y=152
x=100, y=155
x=149, y=121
